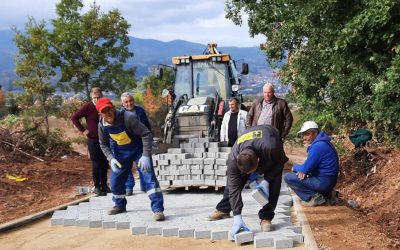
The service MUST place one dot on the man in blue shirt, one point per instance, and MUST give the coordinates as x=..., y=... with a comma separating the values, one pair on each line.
x=128, y=103
x=314, y=180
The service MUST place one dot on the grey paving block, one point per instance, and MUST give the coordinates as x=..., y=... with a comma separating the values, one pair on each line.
x=213, y=145
x=108, y=224
x=213, y=150
x=186, y=233
x=243, y=237
x=211, y=155
x=69, y=222
x=220, y=161
x=296, y=229
x=176, y=161
x=202, y=234
x=184, y=212
x=187, y=161
x=136, y=229
x=93, y=223
x=263, y=241
x=163, y=162
x=282, y=242
x=198, y=161
x=259, y=196
x=56, y=221
x=170, y=231
x=220, y=172
x=200, y=150
x=296, y=237
x=219, y=235
x=197, y=155
x=175, y=150
x=82, y=222
x=122, y=225
x=154, y=230
x=208, y=161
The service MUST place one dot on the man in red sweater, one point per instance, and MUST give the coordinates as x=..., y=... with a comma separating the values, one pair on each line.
x=99, y=161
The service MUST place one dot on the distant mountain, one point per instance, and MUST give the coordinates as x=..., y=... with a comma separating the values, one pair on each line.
x=147, y=54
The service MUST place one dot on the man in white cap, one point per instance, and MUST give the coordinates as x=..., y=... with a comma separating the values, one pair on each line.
x=314, y=180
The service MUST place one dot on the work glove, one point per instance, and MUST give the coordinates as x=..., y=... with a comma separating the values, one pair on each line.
x=144, y=163
x=115, y=166
x=264, y=186
x=238, y=225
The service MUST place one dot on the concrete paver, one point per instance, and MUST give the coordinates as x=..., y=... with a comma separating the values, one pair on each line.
x=186, y=216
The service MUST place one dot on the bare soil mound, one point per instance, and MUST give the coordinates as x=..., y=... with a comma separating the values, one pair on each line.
x=48, y=184
x=371, y=178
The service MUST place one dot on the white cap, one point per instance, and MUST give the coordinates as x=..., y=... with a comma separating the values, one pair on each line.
x=308, y=125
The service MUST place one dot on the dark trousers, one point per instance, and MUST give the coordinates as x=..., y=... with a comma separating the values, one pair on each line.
x=266, y=212
x=99, y=164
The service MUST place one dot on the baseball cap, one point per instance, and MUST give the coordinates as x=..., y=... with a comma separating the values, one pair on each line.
x=308, y=125
x=103, y=103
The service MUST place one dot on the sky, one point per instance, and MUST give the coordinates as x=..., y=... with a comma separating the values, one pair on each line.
x=199, y=21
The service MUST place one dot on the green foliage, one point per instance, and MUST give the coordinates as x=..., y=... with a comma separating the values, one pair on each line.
x=91, y=48
x=139, y=99
x=157, y=85
x=12, y=103
x=33, y=63
x=342, y=56
x=9, y=120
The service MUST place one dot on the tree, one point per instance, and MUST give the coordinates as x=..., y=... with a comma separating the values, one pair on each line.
x=342, y=56
x=157, y=85
x=92, y=48
x=33, y=64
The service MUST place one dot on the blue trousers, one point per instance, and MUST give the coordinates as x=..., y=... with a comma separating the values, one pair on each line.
x=130, y=182
x=150, y=185
x=310, y=186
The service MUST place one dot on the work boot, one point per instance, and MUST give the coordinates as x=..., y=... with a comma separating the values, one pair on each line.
x=333, y=198
x=116, y=210
x=129, y=193
x=218, y=215
x=266, y=225
x=316, y=200
x=158, y=216
x=106, y=189
x=97, y=191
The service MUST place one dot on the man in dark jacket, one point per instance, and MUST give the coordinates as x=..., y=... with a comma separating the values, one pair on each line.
x=270, y=110
x=259, y=149
x=124, y=140
x=314, y=180
x=99, y=161
x=128, y=103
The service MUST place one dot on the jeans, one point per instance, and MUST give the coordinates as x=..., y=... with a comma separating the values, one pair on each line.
x=310, y=186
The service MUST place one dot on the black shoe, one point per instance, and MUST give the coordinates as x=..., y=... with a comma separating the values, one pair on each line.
x=116, y=210
x=106, y=189
x=97, y=191
x=129, y=193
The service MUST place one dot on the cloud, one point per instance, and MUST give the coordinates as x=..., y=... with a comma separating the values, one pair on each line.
x=191, y=20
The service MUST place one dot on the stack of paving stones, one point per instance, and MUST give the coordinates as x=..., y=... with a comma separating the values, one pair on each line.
x=199, y=162
x=186, y=217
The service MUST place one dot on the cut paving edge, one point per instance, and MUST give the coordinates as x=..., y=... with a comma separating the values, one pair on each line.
x=309, y=240
x=186, y=217
x=30, y=218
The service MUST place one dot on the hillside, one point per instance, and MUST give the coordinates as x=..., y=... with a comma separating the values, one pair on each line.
x=147, y=54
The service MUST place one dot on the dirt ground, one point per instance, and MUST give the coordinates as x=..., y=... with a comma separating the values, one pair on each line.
x=372, y=224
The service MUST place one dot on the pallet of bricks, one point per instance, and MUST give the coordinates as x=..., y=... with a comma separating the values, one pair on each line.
x=199, y=162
